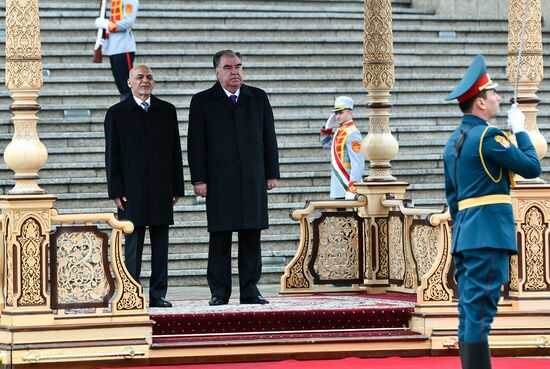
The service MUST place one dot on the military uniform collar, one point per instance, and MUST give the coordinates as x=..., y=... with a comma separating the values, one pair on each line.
x=347, y=124
x=474, y=120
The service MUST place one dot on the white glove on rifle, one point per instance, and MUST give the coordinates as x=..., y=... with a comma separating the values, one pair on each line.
x=331, y=122
x=102, y=23
x=516, y=119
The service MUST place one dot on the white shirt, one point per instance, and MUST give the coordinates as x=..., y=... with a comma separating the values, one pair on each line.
x=237, y=93
x=139, y=101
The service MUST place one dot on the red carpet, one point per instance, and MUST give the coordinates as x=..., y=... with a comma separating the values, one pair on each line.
x=355, y=363
x=331, y=315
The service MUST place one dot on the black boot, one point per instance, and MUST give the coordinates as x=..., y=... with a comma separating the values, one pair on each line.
x=475, y=355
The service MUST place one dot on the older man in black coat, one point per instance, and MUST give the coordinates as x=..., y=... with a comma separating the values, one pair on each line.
x=145, y=174
x=233, y=159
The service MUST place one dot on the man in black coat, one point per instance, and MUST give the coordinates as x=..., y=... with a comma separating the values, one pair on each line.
x=145, y=174
x=233, y=159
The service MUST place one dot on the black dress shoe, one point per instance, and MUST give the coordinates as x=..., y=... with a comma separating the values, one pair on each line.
x=216, y=301
x=160, y=302
x=258, y=300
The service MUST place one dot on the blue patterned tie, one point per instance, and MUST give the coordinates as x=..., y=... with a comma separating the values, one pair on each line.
x=233, y=99
x=145, y=105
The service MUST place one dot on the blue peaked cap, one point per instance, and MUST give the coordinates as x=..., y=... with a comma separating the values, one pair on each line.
x=474, y=81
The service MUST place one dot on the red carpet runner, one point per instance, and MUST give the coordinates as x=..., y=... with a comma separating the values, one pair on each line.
x=355, y=363
x=286, y=316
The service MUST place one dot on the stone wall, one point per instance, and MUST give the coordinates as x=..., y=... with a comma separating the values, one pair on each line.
x=480, y=8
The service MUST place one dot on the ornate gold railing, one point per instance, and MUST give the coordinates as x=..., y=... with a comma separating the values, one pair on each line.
x=343, y=248
x=81, y=274
x=330, y=249
x=420, y=251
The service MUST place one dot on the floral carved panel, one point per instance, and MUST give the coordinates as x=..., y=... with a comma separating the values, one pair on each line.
x=424, y=246
x=337, y=250
x=535, y=254
x=80, y=268
x=30, y=244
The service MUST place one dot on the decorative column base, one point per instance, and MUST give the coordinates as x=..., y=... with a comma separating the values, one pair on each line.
x=376, y=236
x=530, y=269
x=26, y=226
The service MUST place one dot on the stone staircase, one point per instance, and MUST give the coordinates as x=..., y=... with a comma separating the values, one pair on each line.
x=304, y=53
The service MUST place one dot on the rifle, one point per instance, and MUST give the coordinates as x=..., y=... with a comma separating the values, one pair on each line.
x=98, y=56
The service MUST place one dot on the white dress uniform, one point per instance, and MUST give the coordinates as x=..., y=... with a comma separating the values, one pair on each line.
x=120, y=38
x=347, y=161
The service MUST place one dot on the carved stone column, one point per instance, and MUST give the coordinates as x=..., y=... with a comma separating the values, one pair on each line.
x=379, y=146
x=25, y=154
x=531, y=68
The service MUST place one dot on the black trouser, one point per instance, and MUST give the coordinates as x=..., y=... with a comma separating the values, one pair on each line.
x=133, y=251
x=120, y=66
x=249, y=262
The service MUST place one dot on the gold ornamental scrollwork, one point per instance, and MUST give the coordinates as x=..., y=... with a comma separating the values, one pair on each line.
x=81, y=276
x=379, y=124
x=7, y=217
x=396, y=249
x=30, y=242
x=433, y=263
x=378, y=44
x=295, y=273
x=22, y=26
x=131, y=297
x=383, y=257
x=23, y=51
x=531, y=68
x=535, y=231
x=367, y=250
x=514, y=276
x=337, y=256
x=532, y=34
x=424, y=242
x=379, y=76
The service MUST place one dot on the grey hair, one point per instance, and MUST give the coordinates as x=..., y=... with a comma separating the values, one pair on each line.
x=219, y=54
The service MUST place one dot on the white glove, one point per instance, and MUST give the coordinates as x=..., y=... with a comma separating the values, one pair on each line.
x=350, y=195
x=516, y=119
x=331, y=122
x=102, y=23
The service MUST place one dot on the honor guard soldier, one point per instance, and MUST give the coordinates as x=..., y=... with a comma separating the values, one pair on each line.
x=480, y=162
x=119, y=43
x=347, y=161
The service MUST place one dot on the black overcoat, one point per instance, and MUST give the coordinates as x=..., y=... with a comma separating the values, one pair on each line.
x=143, y=160
x=233, y=149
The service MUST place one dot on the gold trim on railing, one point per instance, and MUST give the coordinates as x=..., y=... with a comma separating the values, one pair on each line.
x=125, y=225
x=540, y=342
x=310, y=207
x=127, y=353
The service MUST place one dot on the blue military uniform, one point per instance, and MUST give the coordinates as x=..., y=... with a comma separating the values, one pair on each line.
x=479, y=163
